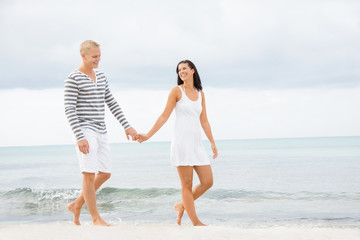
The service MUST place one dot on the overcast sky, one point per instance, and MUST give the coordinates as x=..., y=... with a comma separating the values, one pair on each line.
x=272, y=55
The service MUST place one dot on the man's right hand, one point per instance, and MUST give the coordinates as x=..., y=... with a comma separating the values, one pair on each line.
x=83, y=146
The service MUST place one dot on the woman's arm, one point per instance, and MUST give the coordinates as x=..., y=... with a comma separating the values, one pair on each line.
x=206, y=126
x=173, y=97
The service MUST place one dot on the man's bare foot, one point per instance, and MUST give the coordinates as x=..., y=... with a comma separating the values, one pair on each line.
x=199, y=224
x=179, y=208
x=101, y=222
x=75, y=211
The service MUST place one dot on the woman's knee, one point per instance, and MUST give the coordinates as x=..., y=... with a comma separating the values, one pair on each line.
x=186, y=185
x=208, y=183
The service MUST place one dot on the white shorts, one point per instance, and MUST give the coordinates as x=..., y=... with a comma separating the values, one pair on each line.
x=99, y=158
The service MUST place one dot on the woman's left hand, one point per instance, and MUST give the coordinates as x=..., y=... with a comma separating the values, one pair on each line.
x=215, y=151
x=142, y=137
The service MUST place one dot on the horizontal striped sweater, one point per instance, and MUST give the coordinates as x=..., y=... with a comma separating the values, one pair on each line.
x=85, y=101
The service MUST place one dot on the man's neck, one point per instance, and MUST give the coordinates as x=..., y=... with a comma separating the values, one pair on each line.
x=87, y=70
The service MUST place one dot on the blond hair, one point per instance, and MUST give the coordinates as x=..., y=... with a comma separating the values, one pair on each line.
x=86, y=45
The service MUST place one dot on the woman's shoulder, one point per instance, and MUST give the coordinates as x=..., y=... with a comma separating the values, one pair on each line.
x=176, y=89
x=176, y=92
x=178, y=86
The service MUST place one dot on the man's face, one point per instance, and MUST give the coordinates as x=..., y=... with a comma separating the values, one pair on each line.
x=92, y=57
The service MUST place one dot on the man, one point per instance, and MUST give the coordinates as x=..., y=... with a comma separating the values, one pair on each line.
x=86, y=92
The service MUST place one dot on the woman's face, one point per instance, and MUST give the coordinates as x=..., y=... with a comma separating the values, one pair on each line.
x=185, y=72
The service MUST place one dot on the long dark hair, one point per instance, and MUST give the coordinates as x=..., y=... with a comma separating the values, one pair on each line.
x=197, y=81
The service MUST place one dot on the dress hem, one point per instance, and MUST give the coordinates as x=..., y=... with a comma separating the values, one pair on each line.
x=190, y=165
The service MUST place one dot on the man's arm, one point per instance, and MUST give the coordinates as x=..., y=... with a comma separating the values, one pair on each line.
x=70, y=100
x=71, y=93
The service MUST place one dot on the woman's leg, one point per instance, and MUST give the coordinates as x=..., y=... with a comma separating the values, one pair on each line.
x=186, y=178
x=206, y=181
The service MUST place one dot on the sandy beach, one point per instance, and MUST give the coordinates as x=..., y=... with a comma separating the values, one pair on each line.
x=65, y=231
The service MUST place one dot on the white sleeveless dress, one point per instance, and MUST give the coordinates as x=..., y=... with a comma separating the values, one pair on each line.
x=187, y=147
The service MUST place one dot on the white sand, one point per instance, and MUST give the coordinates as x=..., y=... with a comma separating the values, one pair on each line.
x=64, y=231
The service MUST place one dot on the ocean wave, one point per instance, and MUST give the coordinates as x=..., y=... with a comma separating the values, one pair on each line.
x=40, y=194
x=156, y=204
x=43, y=195
x=270, y=195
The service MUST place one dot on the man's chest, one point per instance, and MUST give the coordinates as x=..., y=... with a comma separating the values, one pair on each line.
x=91, y=88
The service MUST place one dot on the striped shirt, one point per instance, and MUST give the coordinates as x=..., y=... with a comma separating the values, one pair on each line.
x=85, y=103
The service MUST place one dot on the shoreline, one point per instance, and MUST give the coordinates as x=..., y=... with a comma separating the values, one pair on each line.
x=67, y=230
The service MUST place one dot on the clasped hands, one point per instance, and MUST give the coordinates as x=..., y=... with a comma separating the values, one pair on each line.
x=139, y=137
x=83, y=144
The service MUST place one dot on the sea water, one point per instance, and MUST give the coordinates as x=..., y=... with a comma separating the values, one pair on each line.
x=261, y=182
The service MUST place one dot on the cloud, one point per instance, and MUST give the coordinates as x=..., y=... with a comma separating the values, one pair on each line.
x=242, y=44
x=36, y=117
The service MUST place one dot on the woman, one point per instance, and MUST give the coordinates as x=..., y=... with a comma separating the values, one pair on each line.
x=187, y=151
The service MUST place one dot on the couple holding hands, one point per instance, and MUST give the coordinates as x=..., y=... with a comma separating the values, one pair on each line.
x=87, y=91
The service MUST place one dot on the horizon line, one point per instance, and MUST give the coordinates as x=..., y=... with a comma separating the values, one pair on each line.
x=204, y=140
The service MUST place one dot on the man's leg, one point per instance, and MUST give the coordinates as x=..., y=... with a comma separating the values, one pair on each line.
x=90, y=198
x=98, y=157
x=75, y=206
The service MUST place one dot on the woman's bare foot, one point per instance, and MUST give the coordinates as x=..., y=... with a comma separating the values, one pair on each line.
x=179, y=208
x=101, y=222
x=75, y=211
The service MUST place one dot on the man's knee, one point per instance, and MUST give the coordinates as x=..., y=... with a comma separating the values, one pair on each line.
x=107, y=175
x=89, y=177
